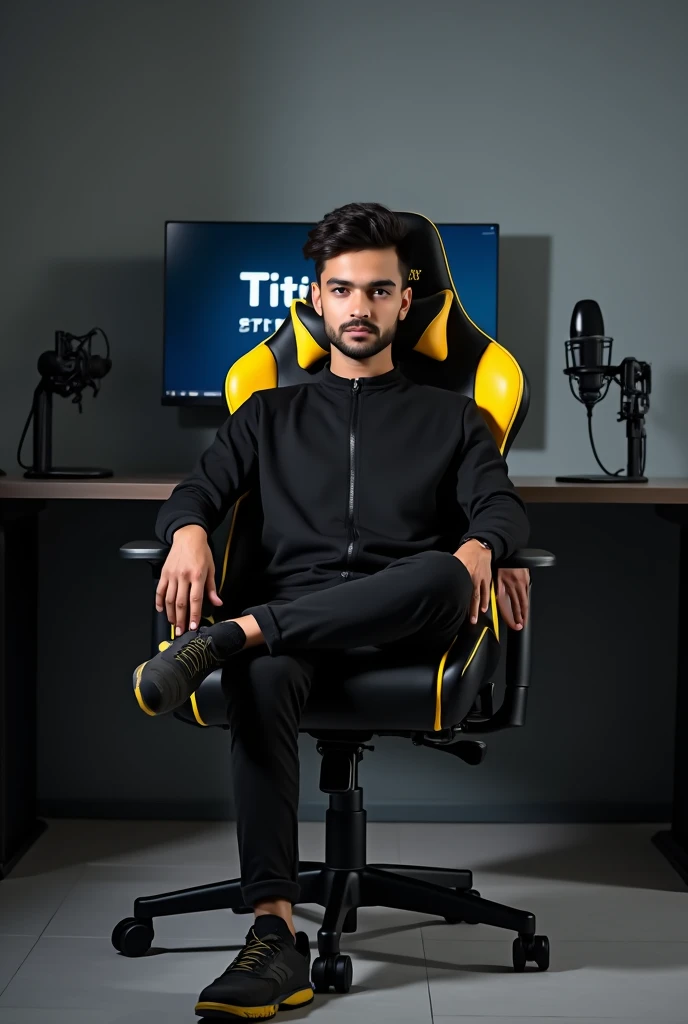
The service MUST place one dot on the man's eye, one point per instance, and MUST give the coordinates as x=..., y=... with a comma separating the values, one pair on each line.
x=340, y=288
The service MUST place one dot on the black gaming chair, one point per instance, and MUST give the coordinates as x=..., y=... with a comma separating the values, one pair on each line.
x=434, y=700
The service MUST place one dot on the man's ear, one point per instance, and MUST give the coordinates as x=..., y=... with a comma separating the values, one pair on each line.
x=405, y=303
x=315, y=298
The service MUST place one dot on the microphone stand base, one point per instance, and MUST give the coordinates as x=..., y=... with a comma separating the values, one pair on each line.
x=601, y=478
x=67, y=474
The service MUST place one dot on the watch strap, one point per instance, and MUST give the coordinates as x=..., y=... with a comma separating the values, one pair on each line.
x=485, y=543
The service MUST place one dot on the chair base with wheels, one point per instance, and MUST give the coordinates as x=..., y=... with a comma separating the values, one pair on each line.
x=343, y=883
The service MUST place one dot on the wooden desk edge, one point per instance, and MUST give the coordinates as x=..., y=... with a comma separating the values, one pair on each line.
x=535, y=490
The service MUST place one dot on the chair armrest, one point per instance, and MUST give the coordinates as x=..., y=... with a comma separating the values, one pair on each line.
x=152, y=551
x=512, y=711
x=528, y=558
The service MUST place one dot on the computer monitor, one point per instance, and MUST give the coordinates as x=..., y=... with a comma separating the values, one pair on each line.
x=229, y=285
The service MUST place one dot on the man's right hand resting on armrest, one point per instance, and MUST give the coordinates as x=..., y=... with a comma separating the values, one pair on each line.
x=188, y=573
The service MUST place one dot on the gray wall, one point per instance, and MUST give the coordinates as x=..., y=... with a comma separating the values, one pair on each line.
x=561, y=122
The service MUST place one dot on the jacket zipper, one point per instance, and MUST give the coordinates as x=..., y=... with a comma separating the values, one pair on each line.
x=355, y=390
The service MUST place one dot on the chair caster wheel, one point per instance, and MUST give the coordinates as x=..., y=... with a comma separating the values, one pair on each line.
x=463, y=920
x=132, y=937
x=242, y=910
x=332, y=970
x=531, y=947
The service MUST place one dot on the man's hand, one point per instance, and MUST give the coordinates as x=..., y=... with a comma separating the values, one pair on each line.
x=478, y=561
x=512, y=596
x=188, y=572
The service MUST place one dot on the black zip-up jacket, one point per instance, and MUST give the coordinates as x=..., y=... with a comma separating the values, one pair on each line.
x=353, y=474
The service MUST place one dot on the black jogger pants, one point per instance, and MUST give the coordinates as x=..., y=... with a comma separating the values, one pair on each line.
x=420, y=600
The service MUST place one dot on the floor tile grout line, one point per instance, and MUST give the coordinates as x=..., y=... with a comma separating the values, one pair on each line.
x=38, y=937
x=66, y=896
x=352, y=948
x=427, y=975
x=3, y=988
x=616, y=942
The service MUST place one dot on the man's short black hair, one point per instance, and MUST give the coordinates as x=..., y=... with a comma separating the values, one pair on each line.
x=354, y=227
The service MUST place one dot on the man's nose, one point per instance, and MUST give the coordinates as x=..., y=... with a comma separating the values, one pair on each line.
x=360, y=307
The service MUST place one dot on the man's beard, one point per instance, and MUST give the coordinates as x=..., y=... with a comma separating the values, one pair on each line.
x=360, y=349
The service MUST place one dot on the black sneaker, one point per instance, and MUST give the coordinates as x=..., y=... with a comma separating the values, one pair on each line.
x=272, y=972
x=164, y=682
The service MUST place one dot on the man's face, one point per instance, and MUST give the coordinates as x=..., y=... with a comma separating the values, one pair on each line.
x=364, y=291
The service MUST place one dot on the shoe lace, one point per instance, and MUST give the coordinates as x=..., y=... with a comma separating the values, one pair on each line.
x=254, y=952
x=197, y=655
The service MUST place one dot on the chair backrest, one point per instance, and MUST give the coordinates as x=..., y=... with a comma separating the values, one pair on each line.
x=437, y=344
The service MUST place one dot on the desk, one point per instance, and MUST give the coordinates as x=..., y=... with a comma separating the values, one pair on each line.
x=20, y=502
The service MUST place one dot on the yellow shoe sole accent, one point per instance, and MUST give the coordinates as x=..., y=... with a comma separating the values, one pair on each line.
x=137, y=692
x=300, y=998
x=250, y=1012
x=306, y=995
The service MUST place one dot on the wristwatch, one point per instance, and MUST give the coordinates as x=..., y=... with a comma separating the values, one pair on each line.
x=485, y=543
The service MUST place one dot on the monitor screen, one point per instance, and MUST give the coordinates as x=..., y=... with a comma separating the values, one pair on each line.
x=229, y=285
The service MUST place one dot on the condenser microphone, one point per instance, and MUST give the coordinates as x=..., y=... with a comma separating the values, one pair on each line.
x=67, y=371
x=588, y=363
x=590, y=350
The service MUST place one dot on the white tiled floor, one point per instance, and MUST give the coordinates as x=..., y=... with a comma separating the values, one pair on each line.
x=616, y=915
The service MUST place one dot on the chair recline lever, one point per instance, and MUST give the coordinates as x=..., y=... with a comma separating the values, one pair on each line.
x=470, y=751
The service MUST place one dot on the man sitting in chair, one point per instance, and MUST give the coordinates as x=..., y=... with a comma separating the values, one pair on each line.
x=358, y=470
